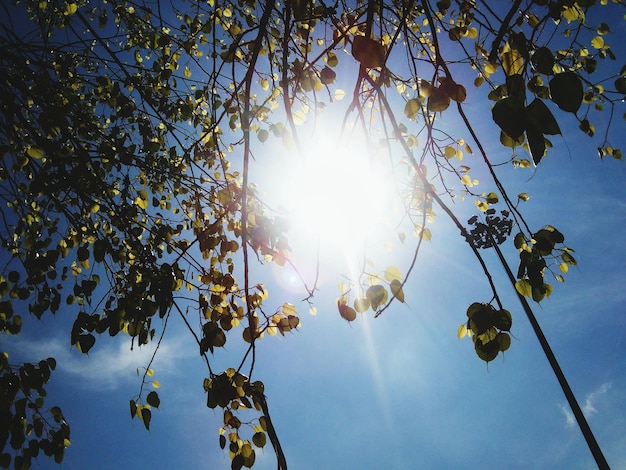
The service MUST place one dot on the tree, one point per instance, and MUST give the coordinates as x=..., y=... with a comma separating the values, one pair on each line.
x=129, y=131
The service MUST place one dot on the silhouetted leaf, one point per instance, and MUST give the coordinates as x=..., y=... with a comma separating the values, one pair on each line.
x=566, y=91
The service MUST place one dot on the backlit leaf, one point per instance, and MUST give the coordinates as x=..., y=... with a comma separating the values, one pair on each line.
x=462, y=331
x=396, y=290
x=377, y=295
x=412, y=108
x=392, y=273
x=524, y=288
x=368, y=52
x=35, y=152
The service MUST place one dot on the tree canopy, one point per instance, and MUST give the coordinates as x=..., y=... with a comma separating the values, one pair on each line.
x=132, y=134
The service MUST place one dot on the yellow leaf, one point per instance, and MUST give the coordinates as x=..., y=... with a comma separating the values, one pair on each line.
x=71, y=8
x=35, y=153
x=149, y=372
x=187, y=72
x=156, y=384
x=331, y=59
x=396, y=290
x=482, y=205
x=523, y=196
x=563, y=267
x=289, y=309
x=598, y=42
x=412, y=108
x=449, y=152
x=524, y=288
x=466, y=180
x=462, y=331
x=512, y=62
x=392, y=274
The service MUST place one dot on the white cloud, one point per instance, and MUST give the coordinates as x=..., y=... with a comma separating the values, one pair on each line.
x=569, y=416
x=589, y=407
x=109, y=363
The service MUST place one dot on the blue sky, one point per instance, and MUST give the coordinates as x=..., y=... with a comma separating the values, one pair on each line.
x=400, y=391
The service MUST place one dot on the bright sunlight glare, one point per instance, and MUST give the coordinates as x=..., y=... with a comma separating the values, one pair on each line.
x=339, y=194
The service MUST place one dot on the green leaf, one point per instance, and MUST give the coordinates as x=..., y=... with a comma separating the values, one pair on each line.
x=566, y=90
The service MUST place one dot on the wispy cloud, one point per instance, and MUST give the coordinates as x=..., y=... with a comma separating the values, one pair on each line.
x=589, y=407
x=108, y=364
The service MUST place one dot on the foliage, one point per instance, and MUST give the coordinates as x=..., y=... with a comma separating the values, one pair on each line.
x=127, y=131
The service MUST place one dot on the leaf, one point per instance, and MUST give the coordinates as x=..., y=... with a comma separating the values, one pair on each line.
x=539, y=114
x=153, y=399
x=512, y=62
x=262, y=135
x=396, y=290
x=377, y=295
x=620, y=85
x=346, y=312
x=543, y=61
x=259, y=439
x=71, y=8
x=566, y=90
x=411, y=108
x=392, y=273
x=603, y=29
x=367, y=51
x=509, y=117
x=462, y=331
x=536, y=143
x=504, y=341
x=85, y=343
x=133, y=408
x=35, y=153
x=438, y=101
x=146, y=417
x=492, y=198
x=361, y=304
x=597, y=42
x=327, y=75
x=524, y=288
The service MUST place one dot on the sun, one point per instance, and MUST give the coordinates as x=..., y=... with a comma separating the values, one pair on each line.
x=339, y=193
